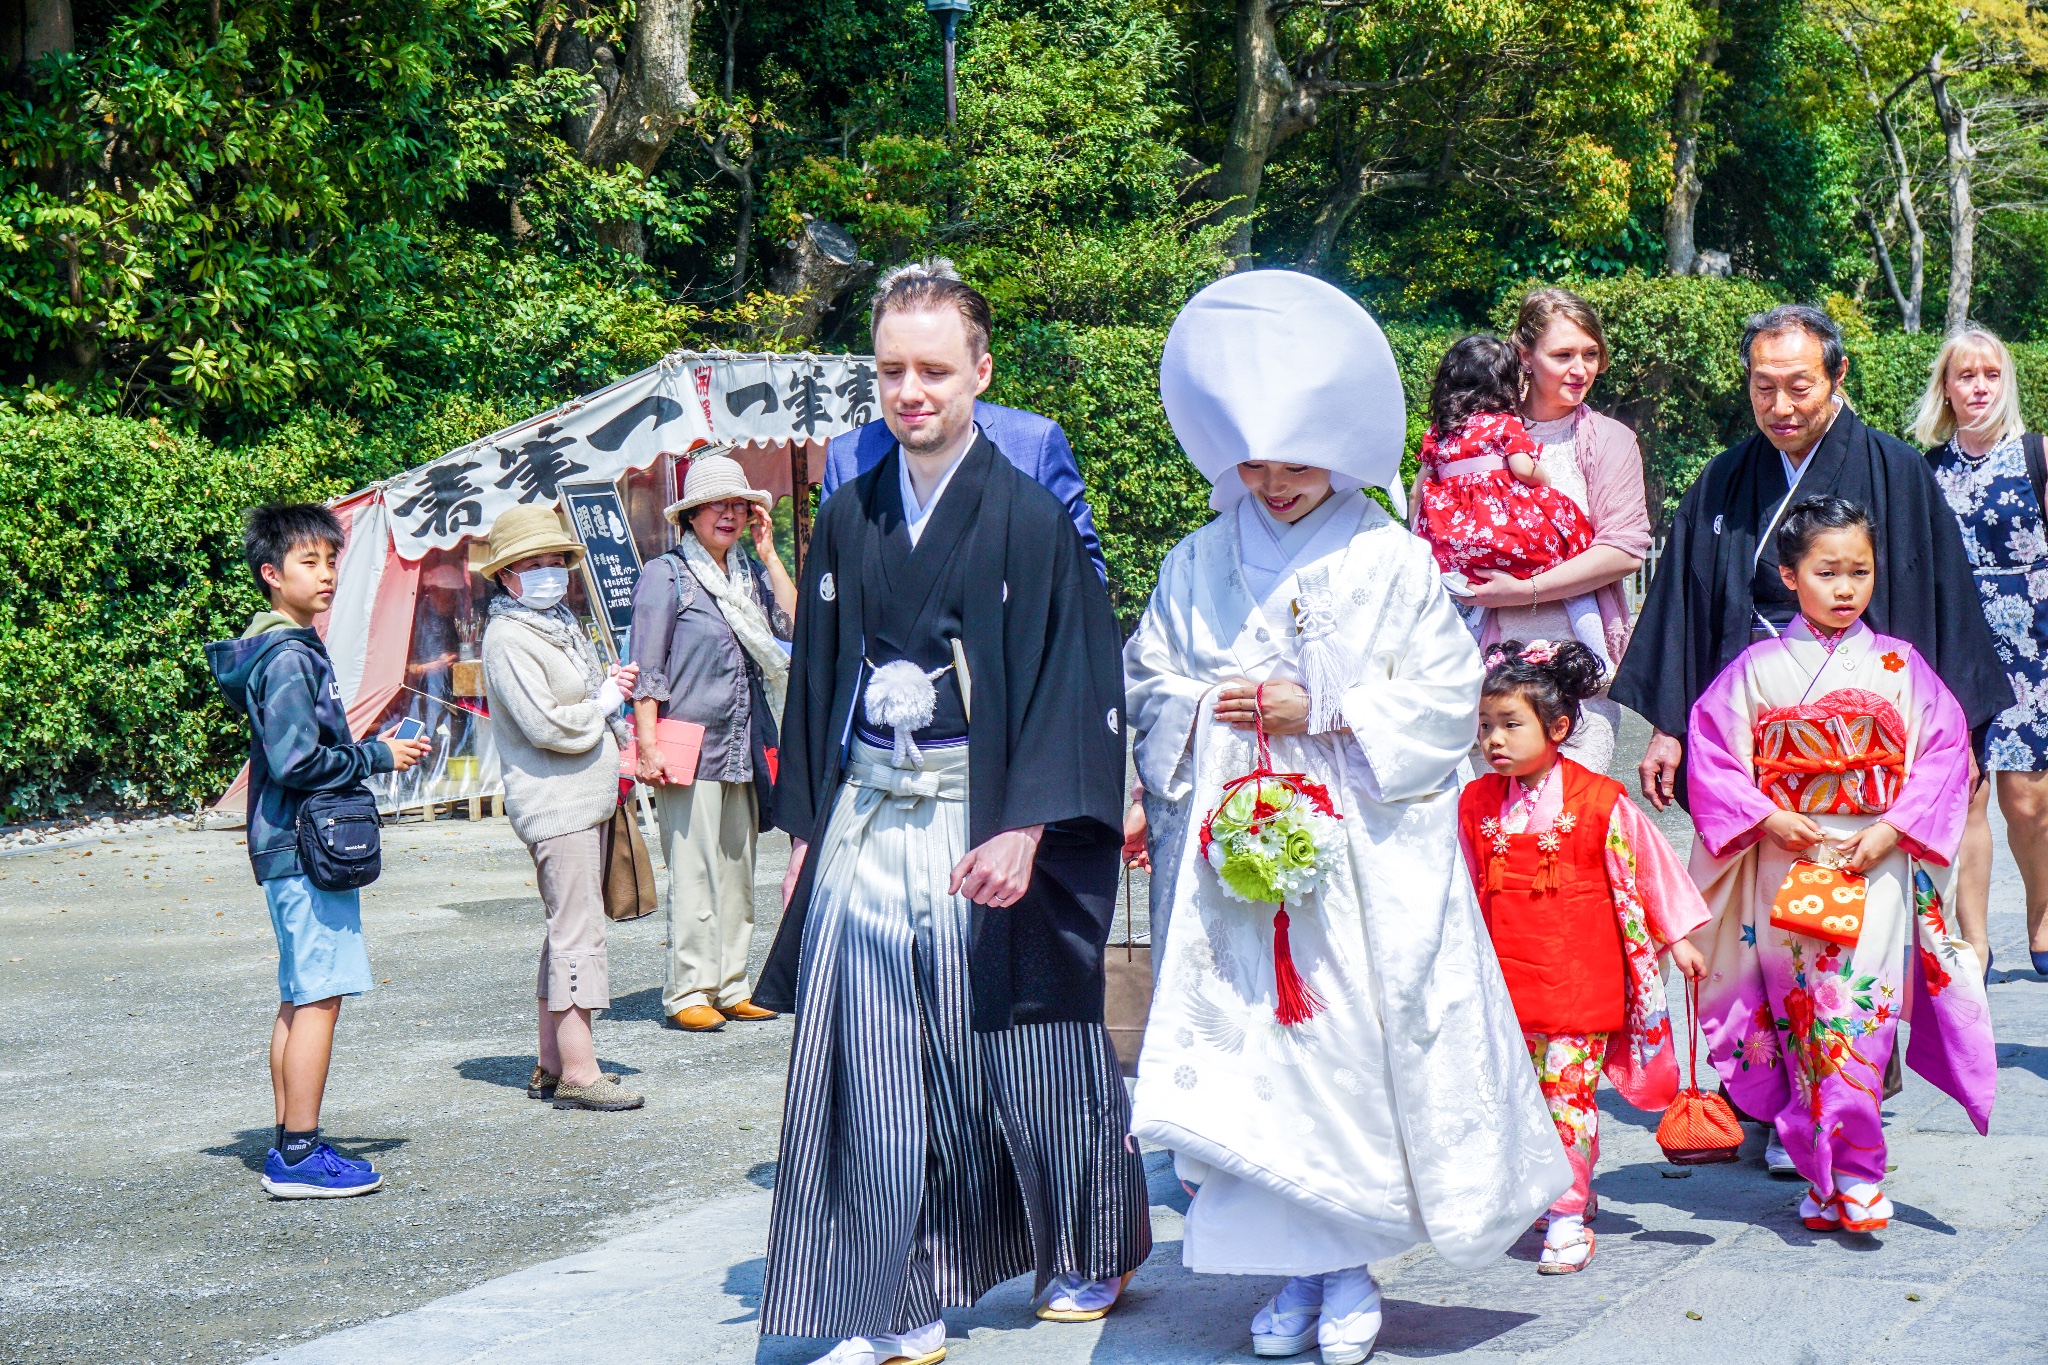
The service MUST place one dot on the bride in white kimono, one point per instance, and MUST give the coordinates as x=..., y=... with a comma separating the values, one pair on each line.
x=1405, y=1111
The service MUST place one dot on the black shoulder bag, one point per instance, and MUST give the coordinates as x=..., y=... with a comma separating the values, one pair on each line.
x=340, y=841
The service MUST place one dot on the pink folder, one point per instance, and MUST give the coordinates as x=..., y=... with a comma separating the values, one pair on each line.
x=680, y=742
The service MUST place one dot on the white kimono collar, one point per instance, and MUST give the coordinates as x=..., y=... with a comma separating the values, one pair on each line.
x=1271, y=556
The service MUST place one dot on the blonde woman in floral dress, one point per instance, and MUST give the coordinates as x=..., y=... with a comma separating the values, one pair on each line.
x=1970, y=417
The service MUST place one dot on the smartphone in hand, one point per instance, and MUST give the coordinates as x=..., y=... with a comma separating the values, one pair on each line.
x=409, y=728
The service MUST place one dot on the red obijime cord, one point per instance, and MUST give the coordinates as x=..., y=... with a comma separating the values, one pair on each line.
x=1295, y=1001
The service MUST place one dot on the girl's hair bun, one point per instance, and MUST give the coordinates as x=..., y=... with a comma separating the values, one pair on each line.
x=1553, y=677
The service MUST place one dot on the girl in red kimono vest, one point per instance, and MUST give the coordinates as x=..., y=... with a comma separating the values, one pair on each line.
x=1833, y=747
x=1581, y=894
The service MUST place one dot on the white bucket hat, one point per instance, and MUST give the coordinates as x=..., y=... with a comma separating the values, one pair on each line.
x=714, y=478
x=1276, y=365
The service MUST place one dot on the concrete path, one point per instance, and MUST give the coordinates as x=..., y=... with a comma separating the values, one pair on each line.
x=1708, y=1264
x=137, y=980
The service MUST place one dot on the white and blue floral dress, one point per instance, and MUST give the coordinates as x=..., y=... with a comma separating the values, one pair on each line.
x=2002, y=532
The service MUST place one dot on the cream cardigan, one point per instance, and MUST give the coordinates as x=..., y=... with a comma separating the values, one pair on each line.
x=560, y=763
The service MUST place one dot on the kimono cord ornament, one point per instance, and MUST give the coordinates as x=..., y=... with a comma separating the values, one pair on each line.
x=902, y=697
x=1324, y=666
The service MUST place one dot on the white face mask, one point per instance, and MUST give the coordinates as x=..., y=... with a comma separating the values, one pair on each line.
x=542, y=588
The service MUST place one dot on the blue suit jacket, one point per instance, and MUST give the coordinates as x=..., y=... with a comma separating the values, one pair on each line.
x=1034, y=444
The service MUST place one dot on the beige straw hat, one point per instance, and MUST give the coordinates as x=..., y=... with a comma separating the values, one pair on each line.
x=523, y=531
x=714, y=478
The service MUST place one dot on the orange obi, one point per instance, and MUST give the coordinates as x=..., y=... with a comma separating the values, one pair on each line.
x=1842, y=755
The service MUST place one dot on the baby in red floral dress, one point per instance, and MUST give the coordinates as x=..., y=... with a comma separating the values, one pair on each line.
x=1485, y=502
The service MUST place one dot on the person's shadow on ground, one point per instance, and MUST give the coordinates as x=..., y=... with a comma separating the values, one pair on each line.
x=514, y=1072
x=252, y=1145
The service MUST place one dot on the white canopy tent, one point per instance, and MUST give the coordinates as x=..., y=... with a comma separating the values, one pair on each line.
x=408, y=609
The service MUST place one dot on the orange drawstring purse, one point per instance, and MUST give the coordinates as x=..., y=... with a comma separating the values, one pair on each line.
x=1698, y=1129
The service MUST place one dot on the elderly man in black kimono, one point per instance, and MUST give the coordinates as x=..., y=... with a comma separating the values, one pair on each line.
x=1717, y=588
x=951, y=776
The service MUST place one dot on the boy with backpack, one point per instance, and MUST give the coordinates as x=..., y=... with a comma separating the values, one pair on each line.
x=278, y=674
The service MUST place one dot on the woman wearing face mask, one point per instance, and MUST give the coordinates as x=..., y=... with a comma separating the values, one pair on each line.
x=1970, y=416
x=554, y=714
x=708, y=622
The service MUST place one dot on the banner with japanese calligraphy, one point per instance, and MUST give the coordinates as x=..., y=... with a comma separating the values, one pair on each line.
x=746, y=398
x=687, y=399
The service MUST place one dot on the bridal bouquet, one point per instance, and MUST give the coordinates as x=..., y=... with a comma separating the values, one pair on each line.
x=1272, y=838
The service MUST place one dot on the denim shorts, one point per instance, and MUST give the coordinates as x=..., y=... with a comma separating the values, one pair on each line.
x=320, y=950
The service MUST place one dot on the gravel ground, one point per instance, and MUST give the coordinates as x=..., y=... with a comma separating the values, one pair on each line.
x=137, y=983
x=80, y=828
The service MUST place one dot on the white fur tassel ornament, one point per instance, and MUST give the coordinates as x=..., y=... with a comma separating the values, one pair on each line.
x=1325, y=666
x=900, y=695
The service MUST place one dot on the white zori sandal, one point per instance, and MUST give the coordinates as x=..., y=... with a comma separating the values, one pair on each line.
x=1286, y=1326
x=924, y=1345
x=1351, y=1316
x=1069, y=1298
x=1567, y=1247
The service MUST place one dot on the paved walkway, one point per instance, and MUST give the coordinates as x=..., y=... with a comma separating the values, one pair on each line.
x=1708, y=1264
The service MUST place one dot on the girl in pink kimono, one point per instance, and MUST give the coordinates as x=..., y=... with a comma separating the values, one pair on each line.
x=1833, y=747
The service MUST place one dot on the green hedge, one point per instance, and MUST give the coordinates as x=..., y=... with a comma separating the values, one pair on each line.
x=120, y=539
x=120, y=556
x=1102, y=385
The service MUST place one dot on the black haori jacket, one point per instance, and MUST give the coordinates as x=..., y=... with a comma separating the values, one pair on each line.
x=1045, y=744
x=1696, y=618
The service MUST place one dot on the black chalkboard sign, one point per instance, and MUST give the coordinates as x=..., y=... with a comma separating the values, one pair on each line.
x=611, y=562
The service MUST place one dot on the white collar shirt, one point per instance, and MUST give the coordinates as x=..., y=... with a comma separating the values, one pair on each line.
x=914, y=515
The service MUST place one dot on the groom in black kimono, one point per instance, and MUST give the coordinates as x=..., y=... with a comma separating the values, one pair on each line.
x=1717, y=588
x=952, y=782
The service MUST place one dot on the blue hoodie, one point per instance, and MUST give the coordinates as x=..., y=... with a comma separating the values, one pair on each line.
x=279, y=675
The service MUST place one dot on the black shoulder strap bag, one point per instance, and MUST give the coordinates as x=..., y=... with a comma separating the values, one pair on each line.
x=340, y=838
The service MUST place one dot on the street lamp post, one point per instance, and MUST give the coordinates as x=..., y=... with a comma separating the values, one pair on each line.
x=949, y=13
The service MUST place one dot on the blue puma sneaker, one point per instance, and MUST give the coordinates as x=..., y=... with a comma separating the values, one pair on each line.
x=324, y=1174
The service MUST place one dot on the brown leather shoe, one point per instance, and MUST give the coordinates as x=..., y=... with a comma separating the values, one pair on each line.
x=697, y=1019
x=747, y=1010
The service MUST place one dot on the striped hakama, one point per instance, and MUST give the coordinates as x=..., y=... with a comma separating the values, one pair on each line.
x=922, y=1163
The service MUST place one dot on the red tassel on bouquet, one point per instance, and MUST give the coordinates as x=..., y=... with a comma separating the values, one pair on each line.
x=1296, y=1001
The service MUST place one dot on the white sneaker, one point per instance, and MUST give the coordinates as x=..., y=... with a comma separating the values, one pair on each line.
x=1069, y=1298
x=1287, y=1324
x=925, y=1345
x=1351, y=1316
x=1778, y=1161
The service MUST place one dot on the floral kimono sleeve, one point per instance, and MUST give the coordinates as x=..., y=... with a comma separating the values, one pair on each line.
x=1643, y=868
x=1655, y=904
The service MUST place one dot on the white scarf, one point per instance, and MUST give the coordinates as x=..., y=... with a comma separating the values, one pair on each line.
x=557, y=625
x=734, y=589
